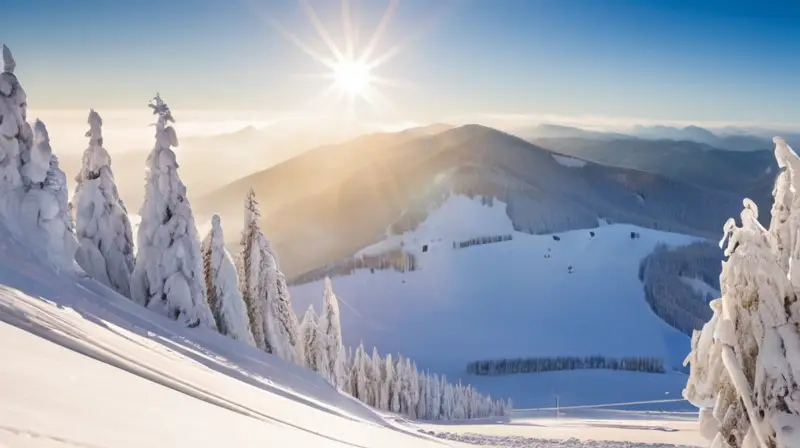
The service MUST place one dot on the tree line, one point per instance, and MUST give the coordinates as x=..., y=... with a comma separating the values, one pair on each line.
x=387, y=383
x=663, y=274
x=482, y=240
x=494, y=367
x=397, y=260
x=170, y=271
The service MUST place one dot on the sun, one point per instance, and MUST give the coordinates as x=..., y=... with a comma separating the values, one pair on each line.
x=351, y=68
x=353, y=77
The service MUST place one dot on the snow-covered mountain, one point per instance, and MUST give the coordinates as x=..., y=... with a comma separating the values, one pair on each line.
x=332, y=201
x=749, y=173
x=575, y=293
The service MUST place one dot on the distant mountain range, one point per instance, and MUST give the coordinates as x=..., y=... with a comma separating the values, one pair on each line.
x=730, y=139
x=334, y=200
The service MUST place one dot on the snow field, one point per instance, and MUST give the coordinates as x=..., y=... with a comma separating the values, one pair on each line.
x=508, y=300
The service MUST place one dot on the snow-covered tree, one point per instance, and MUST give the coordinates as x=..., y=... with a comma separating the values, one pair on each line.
x=33, y=196
x=347, y=368
x=102, y=225
x=222, y=287
x=447, y=399
x=44, y=211
x=422, y=393
x=413, y=387
x=252, y=267
x=330, y=327
x=16, y=135
x=387, y=377
x=396, y=385
x=374, y=374
x=358, y=375
x=313, y=343
x=280, y=322
x=435, y=402
x=745, y=362
x=168, y=274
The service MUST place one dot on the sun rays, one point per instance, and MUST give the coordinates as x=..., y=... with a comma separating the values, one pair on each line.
x=352, y=71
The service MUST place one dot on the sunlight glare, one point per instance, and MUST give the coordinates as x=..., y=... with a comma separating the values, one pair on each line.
x=352, y=76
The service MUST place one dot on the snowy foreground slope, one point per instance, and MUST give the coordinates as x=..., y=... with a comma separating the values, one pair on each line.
x=514, y=299
x=85, y=367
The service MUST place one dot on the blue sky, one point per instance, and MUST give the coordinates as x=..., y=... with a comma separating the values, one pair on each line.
x=723, y=61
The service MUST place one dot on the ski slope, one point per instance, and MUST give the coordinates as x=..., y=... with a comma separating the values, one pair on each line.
x=514, y=299
x=83, y=366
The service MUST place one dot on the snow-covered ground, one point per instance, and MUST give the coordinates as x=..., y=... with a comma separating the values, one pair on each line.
x=514, y=299
x=573, y=429
x=85, y=367
x=700, y=286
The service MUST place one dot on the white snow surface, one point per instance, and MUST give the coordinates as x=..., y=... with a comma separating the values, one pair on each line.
x=458, y=219
x=700, y=286
x=570, y=162
x=86, y=367
x=507, y=300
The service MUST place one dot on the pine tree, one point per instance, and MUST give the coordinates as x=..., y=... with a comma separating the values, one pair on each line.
x=168, y=274
x=33, y=196
x=447, y=399
x=347, y=368
x=745, y=362
x=412, y=376
x=280, y=322
x=16, y=135
x=331, y=327
x=375, y=378
x=358, y=375
x=435, y=402
x=387, y=378
x=252, y=267
x=222, y=286
x=102, y=225
x=422, y=393
x=44, y=210
x=314, y=346
x=396, y=404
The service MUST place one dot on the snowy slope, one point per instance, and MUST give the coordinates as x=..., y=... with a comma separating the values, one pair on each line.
x=508, y=300
x=85, y=367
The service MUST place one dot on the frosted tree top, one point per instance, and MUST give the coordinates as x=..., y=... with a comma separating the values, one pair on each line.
x=161, y=109
x=8, y=60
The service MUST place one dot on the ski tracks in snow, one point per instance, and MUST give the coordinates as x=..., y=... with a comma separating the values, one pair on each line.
x=531, y=442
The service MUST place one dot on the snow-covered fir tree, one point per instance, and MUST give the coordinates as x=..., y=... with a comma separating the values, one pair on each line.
x=387, y=377
x=358, y=375
x=347, y=367
x=435, y=402
x=314, y=346
x=330, y=327
x=252, y=267
x=374, y=374
x=280, y=322
x=101, y=219
x=745, y=362
x=16, y=135
x=412, y=375
x=33, y=196
x=222, y=286
x=168, y=274
x=422, y=393
x=44, y=211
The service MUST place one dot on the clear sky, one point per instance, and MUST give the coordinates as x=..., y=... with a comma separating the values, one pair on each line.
x=726, y=61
